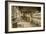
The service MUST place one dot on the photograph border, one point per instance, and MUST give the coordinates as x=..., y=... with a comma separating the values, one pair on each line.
x=6, y=16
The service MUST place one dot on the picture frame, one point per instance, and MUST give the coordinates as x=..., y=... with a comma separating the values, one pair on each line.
x=32, y=14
